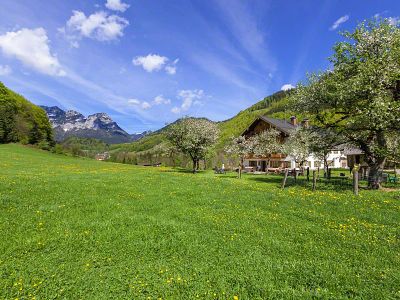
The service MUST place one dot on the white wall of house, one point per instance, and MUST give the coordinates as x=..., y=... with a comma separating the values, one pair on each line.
x=336, y=159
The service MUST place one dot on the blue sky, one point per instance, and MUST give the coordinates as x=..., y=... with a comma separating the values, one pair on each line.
x=147, y=63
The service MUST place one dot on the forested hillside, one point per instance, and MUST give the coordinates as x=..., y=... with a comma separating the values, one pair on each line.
x=21, y=121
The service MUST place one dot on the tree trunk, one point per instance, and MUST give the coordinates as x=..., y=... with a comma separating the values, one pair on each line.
x=355, y=182
x=326, y=167
x=194, y=165
x=285, y=178
x=375, y=173
x=376, y=163
x=240, y=168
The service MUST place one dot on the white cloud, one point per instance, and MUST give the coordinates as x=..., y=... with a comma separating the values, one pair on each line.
x=138, y=103
x=339, y=21
x=31, y=47
x=117, y=5
x=5, y=70
x=394, y=21
x=151, y=62
x=158, y=100
x=287, y=87
x=146, y=105
x=189, y=97
x=161, y=100
x=155, y=62
x=176, y=110
x=134, y=101
x=99, y=26
x=171, y=70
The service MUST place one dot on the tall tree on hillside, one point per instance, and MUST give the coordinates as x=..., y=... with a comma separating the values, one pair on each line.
x=193, y=137
x=360, y=97
x=240, y=147
x=266, y=143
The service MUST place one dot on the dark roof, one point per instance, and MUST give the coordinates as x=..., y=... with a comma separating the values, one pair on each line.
x=280, y=124
x=353, y=151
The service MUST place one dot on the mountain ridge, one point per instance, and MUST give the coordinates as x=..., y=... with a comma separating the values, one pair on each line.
x=98, y=125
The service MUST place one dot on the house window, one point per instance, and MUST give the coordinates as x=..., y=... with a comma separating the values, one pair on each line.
x=317, y=164
x=275, y=164
x=252, y=163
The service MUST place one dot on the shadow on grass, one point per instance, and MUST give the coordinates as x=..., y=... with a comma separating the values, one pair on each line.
x=183, y=170
x=334, y=184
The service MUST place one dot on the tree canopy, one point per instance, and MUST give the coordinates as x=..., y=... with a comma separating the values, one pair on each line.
x=359, y=98
x=193, y=137
x=21, y=121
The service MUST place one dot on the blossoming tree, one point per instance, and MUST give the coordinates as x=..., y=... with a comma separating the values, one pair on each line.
x=193, y=137
x=359, y=98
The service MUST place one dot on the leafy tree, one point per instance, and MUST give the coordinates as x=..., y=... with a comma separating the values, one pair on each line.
x=360, y=97
x=22, y=121
x=298, y=145
x=266, y=143
x=322, y=142
x=240, y=147
x=193, y=137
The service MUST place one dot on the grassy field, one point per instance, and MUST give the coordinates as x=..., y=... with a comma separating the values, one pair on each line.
x=80, y=229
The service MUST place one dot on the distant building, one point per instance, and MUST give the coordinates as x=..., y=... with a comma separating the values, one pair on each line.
x=336, y=158
x=102, y=156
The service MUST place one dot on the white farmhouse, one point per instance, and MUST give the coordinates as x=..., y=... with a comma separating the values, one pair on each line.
x=279, y=161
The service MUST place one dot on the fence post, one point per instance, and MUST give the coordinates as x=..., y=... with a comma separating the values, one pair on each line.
x=285, y=178
x=308, y=173
x=355, y=182
x=314, y=180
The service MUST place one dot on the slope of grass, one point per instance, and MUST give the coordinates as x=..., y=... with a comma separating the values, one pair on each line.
x=77, y=228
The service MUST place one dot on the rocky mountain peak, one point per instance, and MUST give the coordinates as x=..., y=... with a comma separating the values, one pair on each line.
x=98, y=125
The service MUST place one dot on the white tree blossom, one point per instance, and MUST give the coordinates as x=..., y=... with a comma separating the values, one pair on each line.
x=359, y=98
x=193, y=137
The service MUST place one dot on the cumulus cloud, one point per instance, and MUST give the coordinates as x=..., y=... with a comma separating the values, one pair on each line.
x=189, y=98
x=339, y=21
x=158, y=100
x=139, y=103
x=176, y=110
x=287, y=87
x=31, y=47
x=394, y=21
x=117, y=5
x=161, y=100
x=155, y=62
x=134, y=101
x=151, y=62
x=99, y=26
x=146, y=105
x=5, y=70
x=171, y=68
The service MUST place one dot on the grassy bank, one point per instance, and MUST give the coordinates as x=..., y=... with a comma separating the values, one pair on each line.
x=81, y=229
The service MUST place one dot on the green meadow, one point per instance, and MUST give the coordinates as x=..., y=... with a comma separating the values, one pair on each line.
x=74, y=228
